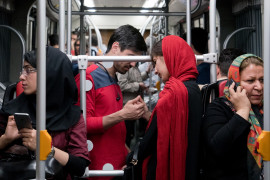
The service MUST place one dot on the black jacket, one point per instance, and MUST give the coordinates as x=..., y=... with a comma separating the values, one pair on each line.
x=225, y=143
x=149, y=142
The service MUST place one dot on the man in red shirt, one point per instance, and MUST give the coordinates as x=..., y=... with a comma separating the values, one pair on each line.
x=105, y=114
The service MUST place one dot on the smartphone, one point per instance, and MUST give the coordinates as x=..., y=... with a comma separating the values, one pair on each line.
x=235, y=85
x=23, y=120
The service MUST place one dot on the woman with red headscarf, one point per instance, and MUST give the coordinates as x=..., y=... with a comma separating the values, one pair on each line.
x=170, y=147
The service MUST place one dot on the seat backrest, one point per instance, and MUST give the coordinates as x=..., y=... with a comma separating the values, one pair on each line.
x=222, y=84
x=2, y=92
x=12, y=91
x=212, y=91
x=19, y=88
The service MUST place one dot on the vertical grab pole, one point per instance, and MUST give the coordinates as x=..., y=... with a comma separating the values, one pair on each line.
x=82, y=65
x=266, y=56
x=212, y=19
x=69, y=26
x=82, y=33
x=62, y=25
x=188, y=20
x=41, y=83
x=83, y=92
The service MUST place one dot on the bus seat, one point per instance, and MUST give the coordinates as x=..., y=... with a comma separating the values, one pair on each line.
x=26, y=169
x=18, y=170
x=19, y=88
x=9, y=93
x=12, y=91
x=222, y=84
x=211, y=91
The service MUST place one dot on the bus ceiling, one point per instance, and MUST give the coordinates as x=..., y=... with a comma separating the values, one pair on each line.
x=174, y=9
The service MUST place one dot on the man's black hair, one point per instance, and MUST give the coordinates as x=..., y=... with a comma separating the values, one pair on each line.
x=54, y=39
x=75, y=33
x=129, y=38
x=226, y=58
x=199, y=40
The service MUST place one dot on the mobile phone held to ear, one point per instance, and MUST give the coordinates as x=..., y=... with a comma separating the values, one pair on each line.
x=235, y=85
x=23, y=120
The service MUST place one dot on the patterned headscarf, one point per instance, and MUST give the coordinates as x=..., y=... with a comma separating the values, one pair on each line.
x=255, y=129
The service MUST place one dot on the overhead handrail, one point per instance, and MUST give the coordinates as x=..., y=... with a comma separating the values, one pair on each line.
x=20, y=37
x=131, y=13
x=253, y=28
x=125, y=8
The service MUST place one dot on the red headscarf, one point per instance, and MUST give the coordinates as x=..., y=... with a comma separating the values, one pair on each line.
x=172, y=110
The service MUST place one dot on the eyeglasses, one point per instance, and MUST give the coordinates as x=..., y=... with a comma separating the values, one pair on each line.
x=27, y=71
x=77, y=44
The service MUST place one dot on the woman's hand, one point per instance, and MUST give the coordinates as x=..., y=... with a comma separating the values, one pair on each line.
x=11, y=132
x=133, y=109
x=240, y=101
x=29, y=138
x=147, y=114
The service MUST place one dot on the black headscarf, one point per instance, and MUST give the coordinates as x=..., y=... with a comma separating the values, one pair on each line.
x=61, y=93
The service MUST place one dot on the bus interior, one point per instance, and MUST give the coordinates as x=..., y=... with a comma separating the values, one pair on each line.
x=234, y=23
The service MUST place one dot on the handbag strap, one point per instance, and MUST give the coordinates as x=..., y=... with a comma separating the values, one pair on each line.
x=134, y=160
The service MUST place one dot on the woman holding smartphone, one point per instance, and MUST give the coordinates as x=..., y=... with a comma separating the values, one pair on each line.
x=233, y=123
x=64, y=120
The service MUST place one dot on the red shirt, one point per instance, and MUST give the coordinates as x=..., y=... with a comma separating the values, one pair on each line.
x=101, y=100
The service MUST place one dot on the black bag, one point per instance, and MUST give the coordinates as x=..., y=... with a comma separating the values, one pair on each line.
x=132, y=171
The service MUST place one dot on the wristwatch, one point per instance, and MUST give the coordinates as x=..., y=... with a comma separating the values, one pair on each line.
x=51, y=154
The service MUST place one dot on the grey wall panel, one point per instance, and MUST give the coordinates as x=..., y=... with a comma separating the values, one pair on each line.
x=4, y=46
x=250, y=41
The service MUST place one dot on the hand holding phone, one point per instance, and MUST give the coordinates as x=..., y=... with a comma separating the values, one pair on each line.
x=240, y=101
x=235, y=85
x=23, y=121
